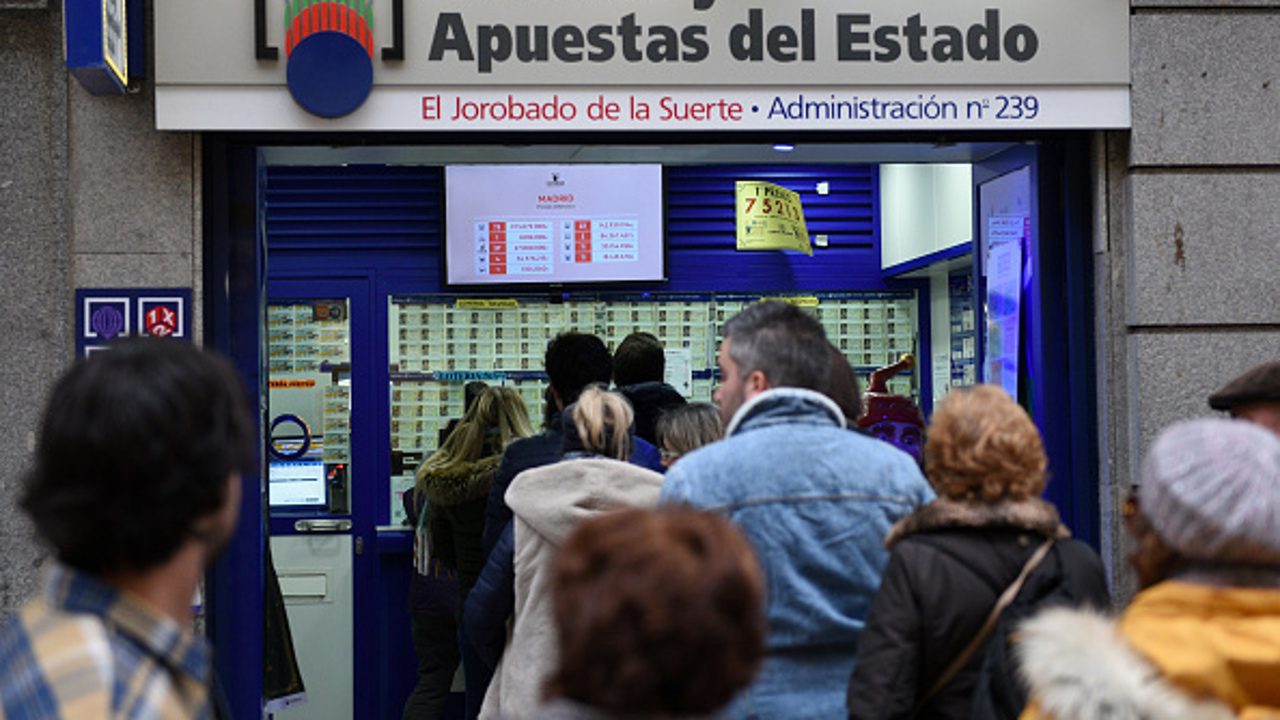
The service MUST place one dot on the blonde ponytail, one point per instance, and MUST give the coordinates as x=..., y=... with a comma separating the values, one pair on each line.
x=603, y=421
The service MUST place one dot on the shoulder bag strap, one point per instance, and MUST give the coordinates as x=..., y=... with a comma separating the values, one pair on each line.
x=979, y=638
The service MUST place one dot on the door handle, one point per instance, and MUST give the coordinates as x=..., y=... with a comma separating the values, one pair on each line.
x=322, y=526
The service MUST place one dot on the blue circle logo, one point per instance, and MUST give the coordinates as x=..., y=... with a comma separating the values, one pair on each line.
x=330, y=51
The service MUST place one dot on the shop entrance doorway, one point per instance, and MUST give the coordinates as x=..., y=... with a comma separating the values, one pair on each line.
x=365, y=343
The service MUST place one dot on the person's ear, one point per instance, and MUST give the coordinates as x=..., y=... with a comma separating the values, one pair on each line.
x=756, y=382
x=555, y=395
x=1153, y=561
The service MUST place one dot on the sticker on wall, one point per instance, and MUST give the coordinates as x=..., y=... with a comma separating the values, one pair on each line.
x=104, y=318
x=162, y=316
x=104, y=315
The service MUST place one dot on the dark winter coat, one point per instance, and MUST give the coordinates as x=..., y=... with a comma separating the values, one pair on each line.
x=434, y=595
x=649, y=400
x=949, y=562
x=456, y=501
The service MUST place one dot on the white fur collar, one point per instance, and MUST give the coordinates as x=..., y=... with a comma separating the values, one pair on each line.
x=1078, y=667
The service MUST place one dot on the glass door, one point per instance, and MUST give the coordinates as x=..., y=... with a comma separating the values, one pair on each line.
x=318, y=524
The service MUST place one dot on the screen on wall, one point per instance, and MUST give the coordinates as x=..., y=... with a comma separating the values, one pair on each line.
x=553, y=224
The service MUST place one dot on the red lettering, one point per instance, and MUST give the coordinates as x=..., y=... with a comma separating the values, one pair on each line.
x=430, y=107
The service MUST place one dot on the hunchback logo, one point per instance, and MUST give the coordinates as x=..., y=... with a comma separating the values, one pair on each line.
x=329, y=46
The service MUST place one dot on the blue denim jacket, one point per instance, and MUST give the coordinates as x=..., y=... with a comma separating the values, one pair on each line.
x=816, y=501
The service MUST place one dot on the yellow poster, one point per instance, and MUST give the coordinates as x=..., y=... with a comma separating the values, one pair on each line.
x=770, y=218
x=487, y=304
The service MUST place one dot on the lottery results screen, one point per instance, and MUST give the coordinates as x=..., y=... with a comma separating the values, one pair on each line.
x=552, y=224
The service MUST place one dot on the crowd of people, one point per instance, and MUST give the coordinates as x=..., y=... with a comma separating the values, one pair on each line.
x=807, y=553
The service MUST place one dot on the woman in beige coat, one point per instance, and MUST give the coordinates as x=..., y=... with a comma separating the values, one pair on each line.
x=548, y=503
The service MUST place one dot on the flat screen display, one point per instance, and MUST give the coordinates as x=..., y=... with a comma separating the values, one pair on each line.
x=553, y=224
x=299, y=483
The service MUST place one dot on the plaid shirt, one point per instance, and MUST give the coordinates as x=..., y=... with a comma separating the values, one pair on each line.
x=82, y=649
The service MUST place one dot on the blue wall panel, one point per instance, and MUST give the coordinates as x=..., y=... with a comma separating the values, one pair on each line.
x=384, y=218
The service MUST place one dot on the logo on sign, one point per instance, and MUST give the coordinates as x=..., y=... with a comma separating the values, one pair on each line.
x=106, y=322
x=161, y=321
x=162, y=316
x=329, y=46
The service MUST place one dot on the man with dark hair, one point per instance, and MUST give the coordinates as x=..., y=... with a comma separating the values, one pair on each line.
x=639, y=366
x=815, y=500
x=573, y=361
x=136, y=489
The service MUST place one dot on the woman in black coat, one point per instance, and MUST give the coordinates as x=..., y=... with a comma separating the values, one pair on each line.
x=951, y=559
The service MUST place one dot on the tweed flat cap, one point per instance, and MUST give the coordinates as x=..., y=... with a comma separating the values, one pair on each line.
x=1259, y=384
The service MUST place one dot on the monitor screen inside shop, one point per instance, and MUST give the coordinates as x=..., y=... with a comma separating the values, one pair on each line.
x=300, y=483
x=553, y=224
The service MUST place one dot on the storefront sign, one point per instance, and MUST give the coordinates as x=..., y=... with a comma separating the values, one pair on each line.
x=617, y=64
x=770, y=217
x=97, y=43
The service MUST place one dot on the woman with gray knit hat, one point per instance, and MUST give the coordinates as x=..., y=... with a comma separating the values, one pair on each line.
x=1202, y=638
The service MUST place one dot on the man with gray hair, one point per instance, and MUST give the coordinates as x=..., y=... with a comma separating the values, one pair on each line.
x=814, y=499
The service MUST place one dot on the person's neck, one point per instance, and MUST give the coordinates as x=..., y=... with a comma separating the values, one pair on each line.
x=169, y=587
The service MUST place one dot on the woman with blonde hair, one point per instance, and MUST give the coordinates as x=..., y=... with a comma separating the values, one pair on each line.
x=987, y=535
x=450, y=496
x=547, y=503
x=683, y=429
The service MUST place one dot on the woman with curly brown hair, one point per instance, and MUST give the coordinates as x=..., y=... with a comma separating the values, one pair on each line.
x=951, y=560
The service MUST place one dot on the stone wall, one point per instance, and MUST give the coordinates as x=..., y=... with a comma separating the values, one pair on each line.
x=36, y=263
x=90, y=196
x=1188, y=276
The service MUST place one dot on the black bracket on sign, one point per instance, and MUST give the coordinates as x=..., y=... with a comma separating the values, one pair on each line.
x=396, y=51
x=261, y=49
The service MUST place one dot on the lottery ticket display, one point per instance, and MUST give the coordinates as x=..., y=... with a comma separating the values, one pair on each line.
x=314, y=338
x=438, y=343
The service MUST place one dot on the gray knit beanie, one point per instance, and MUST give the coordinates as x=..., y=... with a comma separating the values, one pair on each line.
x=1211, y=489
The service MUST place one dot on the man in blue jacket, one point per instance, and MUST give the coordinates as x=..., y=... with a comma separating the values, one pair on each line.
x=815, y=500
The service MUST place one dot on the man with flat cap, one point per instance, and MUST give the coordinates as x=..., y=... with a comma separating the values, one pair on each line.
x=1254, y=396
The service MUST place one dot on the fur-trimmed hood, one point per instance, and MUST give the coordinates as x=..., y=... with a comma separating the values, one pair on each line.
x=1034, y=515
x=462, y=482
x=1182, y=650
x=1078, y=667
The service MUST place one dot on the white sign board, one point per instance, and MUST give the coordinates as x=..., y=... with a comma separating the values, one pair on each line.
x=679, y=370
x=662, y=65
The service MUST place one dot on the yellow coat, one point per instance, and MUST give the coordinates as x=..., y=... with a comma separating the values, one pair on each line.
x=1181, y=650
